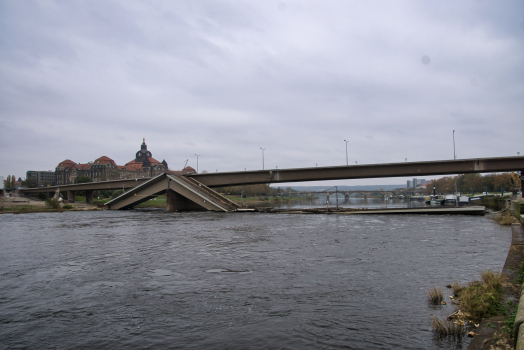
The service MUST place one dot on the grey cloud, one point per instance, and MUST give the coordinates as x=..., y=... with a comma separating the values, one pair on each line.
x=81, y=79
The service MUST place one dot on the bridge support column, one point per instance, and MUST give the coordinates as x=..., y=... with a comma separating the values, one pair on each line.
x=89, y=196
x=522, y=182
x=71, y=196
x=177, y=202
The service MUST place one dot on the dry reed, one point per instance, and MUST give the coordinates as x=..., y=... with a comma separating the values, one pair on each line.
x=445, y=328
x=435, y=295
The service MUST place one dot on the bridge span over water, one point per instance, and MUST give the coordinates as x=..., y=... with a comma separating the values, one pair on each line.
x=275, y=176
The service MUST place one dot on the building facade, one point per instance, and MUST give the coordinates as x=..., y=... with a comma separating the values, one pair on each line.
x=105, y=168
x=42, y=178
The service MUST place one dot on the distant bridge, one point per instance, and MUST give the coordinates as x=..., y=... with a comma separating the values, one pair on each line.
x=275, y=176
x=345, y=193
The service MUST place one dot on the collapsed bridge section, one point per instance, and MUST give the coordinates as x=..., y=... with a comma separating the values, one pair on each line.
x=182, y=193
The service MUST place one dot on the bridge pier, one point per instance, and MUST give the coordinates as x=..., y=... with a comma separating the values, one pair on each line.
x=89, y=196
x=177, y=202
x=71, y=196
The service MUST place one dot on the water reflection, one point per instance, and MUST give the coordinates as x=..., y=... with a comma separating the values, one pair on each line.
x=344, y=202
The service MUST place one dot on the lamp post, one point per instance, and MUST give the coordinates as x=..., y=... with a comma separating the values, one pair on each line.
x=454, y=156
x=263, y=149
x=198, y=155
x=346, y=152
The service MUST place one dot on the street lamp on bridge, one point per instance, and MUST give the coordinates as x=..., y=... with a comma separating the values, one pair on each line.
x=198, y=155
x=346, y=152
x=454, y=156
x=263, y=149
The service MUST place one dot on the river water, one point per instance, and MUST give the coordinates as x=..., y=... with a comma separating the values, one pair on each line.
x=370, y=203
x=157, y=280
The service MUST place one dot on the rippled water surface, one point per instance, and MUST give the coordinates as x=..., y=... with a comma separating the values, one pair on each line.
x=157, y=280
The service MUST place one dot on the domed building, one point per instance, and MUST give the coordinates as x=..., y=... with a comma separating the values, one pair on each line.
x=144, y=162
x=105, y=168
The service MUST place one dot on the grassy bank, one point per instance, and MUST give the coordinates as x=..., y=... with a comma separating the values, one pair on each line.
x=25, y=208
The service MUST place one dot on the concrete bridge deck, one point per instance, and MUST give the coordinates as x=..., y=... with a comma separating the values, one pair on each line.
x=405, y=169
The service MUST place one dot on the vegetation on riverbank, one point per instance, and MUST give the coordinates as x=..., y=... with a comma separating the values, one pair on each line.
x=491, y=302
x=473, y=302
x=25, y=208
x=467, y=183
x=480, y=299
x=504, y=218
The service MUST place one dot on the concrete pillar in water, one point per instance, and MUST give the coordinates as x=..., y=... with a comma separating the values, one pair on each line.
x=71, y=196
x=177, y=202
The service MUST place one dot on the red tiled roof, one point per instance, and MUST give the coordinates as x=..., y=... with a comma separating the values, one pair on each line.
x=104, y=160
x=136, y=164
x=66, y=164
x=83, y=166
x=186, y=170
x=152, y=160
x=133, y=166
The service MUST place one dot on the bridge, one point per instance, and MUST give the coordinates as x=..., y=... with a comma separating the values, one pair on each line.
x=275, y=176
x=345, y=193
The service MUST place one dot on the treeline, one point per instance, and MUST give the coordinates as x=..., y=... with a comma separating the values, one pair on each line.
x=469, y=183
x=10, y=182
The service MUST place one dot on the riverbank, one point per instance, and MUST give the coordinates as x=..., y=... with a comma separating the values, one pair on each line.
x=22, y=205
x=492, y=333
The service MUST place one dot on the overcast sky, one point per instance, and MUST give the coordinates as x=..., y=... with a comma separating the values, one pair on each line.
x=84, y=79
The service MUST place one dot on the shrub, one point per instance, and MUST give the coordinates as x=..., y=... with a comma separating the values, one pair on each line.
x=481, y=298
x=456, y=287
x=67, y=206
x=42, y=195
x=52, y=203
x=505, y=219
x=117, y=193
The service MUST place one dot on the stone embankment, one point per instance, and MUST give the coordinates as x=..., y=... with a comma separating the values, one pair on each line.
x=518, y=212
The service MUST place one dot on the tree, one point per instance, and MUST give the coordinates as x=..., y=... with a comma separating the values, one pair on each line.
x=109, y=174
x=83, y=179
x=515, y=181
x=29, y=183
x=470, y=182
x=502, y=181
x=7, y=183
x=13, y=182
x=442, y=185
